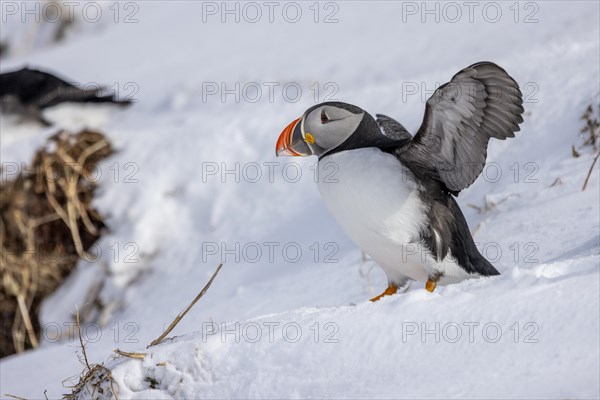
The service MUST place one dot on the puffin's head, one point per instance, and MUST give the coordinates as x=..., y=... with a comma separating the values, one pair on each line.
x=326, y=127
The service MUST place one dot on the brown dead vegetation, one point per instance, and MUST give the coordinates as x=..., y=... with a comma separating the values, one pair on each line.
x=47, y=223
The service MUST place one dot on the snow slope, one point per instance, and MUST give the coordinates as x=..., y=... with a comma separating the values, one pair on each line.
x=298, y=327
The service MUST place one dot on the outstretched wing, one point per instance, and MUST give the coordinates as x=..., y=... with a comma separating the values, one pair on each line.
x=480, y=102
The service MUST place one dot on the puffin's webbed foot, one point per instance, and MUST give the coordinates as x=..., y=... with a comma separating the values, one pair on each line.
x=431, y=283
x=391, y=289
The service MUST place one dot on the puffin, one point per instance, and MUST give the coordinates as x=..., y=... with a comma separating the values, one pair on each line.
x=393, y=193
x=28, y=92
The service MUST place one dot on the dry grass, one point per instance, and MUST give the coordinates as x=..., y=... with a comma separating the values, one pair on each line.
x=591, y=127
x=96, y=380
x=47, y=223
x=590, y=132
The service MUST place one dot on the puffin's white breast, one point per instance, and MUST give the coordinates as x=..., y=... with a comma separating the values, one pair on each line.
x=376, y=201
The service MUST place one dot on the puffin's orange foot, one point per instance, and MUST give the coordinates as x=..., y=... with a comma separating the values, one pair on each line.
x=430, y=285
x=391, y=289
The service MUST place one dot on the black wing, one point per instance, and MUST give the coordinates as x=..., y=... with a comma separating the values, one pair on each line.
x=480, y=102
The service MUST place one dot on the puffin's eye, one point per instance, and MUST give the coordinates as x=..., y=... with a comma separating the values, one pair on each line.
x=324, y=117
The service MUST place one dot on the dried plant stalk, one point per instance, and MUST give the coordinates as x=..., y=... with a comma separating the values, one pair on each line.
x=188, y=308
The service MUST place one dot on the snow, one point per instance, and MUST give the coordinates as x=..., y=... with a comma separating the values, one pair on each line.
x=175, y=210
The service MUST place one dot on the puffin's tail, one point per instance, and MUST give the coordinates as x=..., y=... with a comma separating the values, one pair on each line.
x=471, y=257
x=483, y=266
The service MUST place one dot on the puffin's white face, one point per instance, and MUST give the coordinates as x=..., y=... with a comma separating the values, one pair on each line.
x=320, y=130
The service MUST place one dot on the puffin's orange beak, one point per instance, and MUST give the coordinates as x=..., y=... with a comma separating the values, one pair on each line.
x=290, y=142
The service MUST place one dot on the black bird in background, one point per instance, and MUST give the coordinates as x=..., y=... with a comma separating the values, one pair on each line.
x=27, y=92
